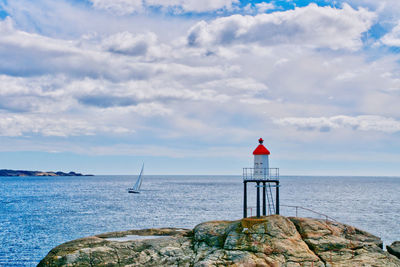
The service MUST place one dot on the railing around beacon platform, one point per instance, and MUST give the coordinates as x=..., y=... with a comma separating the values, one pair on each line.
x=260, y=174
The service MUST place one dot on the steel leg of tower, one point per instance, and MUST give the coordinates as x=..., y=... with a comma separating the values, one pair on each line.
x=277, y=198
x=258, y=199
x=244, y=199
x=264, y=201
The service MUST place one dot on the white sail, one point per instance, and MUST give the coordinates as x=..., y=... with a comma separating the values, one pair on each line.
x=139, y=180
x=138, y=184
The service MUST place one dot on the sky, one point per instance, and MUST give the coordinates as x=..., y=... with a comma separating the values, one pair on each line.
x=188, y=86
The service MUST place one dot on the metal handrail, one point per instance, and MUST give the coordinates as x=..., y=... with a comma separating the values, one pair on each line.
x=260, y=173
x=313, y=211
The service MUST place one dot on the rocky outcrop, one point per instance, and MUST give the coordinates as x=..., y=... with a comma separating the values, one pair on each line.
x=342, y=245
x=173, y=247
x=394, y=249
x=269, y=241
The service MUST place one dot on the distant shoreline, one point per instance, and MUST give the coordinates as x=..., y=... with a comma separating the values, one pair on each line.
x=22, y=173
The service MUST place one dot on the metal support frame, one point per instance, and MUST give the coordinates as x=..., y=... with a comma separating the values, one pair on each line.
x=258, y=199
x=264, y=201
x=245, y=199
x=264, y=185
x=277, y=198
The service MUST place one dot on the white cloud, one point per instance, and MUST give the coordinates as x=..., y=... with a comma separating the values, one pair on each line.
x=121, y=7
x=145, y=44
x=311, y=26
x=236, y=85
x=33, y=54
x=6, y=25
x=386, y=9
x=127, y=43
x=263, y=7
x=18, y=125
x=105, y=94
x=357, y=123
x=392, y=38
x=59, y=19
x=193, y=5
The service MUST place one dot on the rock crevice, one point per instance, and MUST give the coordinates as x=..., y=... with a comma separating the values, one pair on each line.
x=311, y=248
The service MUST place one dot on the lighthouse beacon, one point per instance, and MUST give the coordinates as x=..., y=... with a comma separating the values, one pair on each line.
x=265, y=178
x=261, y=163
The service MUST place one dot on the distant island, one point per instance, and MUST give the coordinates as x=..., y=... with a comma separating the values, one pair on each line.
x=39, y=173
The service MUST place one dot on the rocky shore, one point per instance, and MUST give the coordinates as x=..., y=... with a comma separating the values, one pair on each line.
x=38, y=173
x=269, y=241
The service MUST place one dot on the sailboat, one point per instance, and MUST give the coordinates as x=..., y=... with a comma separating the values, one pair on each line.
x=136, y=188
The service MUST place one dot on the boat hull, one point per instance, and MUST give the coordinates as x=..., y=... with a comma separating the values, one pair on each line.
x=133, y=191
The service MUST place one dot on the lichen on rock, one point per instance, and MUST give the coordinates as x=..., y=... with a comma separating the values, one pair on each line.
x=269, y=241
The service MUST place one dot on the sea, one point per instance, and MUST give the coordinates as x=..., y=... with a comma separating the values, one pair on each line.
x=39, y=213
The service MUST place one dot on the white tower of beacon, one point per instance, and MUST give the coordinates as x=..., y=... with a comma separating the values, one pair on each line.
x=261, y=164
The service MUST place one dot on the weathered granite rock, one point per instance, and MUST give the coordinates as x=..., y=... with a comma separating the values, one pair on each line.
x=339, y=245
x=173, y=247
x=269, y=241
x=394, y=249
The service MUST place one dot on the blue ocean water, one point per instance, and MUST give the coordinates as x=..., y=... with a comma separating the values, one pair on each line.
x=38, y=213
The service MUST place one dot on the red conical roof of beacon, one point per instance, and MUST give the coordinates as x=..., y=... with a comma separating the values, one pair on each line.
x=261, y=149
